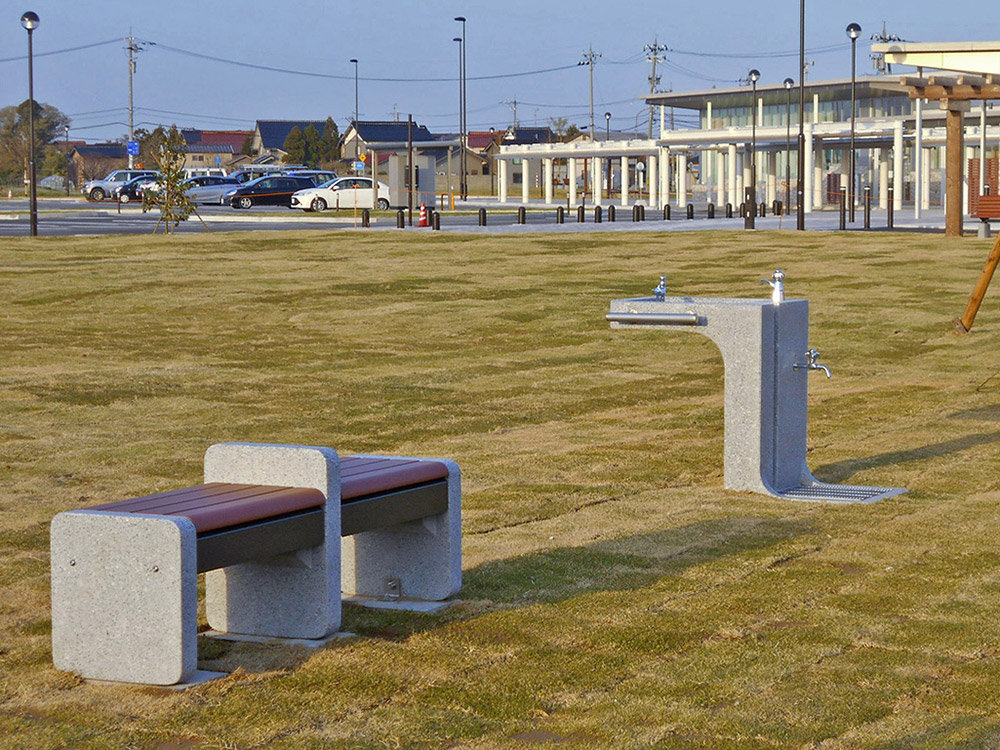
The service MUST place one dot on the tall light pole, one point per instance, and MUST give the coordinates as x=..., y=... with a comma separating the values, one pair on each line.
x=788, y=83
x=463, y=135
x=356, y=136
x=66, y=131
x=800, y=204
x=750, y=197
x=853, y=30
x=30, y=22
x=461, y=123
x=607, y=137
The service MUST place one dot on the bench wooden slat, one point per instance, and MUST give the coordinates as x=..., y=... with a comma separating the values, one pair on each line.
x=360, y=476
x=988, y=207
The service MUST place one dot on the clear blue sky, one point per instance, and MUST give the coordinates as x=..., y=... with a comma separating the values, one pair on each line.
x=409, y=40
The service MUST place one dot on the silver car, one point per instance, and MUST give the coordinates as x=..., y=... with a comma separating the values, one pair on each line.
x=209, y=188
x=98, y=190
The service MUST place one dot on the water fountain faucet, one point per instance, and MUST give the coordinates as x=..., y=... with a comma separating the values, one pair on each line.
x=812, y=364
x=777, y=286
x=660, y=292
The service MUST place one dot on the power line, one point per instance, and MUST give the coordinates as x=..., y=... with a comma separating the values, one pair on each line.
x=61, y=51
x=748, y=55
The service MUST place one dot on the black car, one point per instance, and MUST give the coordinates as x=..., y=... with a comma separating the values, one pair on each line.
x=132, y=190
x=268, y=191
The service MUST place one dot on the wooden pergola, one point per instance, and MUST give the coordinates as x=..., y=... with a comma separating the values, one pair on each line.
x=953, y=94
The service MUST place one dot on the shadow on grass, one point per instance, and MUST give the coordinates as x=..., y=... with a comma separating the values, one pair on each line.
x=842, y=470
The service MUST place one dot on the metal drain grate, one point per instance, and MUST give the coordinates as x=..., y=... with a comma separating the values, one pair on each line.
x=840, y=493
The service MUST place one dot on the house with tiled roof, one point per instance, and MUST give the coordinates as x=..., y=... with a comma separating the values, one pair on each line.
x=269, y=136
x=91, y=161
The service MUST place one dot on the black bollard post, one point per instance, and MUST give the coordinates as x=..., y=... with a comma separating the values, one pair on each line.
x=597, y=214
x=711, y=210
x=889, y=217
x=642, y=212
x=666, y=212
x=436, y=220
x=635, y=213
x=522, y=215
x=611, y=213
x=690, y=210
x=400, y=219
x=762, y=209
x=560, y=215
x=729, y=210
x=776, y=208
x=581, y=214
x=843, y=209
x=482, y=217
x=366, y=218
x=868, y=207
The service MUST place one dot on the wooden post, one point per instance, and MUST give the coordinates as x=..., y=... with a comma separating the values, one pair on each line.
x=963, y=324
x=953, y=168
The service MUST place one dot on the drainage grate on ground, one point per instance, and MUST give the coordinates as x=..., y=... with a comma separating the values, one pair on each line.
x=840, y=493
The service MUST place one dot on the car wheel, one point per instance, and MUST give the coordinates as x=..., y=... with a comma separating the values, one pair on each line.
x=383, y=204
x=245, y=202
x=318, y=204
x=124, y=198
x=97, y=194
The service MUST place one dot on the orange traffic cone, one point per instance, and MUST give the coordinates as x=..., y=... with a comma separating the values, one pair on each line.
x=423, y=216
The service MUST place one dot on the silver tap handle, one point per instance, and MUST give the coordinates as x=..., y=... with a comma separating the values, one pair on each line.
x=660, y=292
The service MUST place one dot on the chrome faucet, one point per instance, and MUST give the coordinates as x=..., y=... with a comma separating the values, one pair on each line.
x=812, y=355
x=660, y=292
x=777, y=286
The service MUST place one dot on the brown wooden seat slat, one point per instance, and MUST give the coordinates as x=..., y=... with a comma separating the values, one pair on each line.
x=988, y=207
x=218, y=505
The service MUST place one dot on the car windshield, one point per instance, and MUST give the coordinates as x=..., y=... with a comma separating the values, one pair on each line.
x=328, y=183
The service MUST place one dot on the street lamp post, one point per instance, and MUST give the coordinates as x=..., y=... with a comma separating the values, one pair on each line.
x=800, y=204
x=853, y=30
x=355, y=107
x=66, y=131
x=788, y=82
x=463, y=124
x=750, y=194
x=30, y=22
x=607, y=137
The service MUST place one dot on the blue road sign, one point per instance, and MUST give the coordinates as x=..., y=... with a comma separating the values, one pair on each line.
x=133, y=148
x=359, y=166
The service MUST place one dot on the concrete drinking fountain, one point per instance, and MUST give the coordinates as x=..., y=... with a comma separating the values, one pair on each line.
x=767, y=359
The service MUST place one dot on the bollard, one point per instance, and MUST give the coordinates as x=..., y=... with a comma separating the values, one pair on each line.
x=560, y=215
x=581, y=214
x=776, y=208
x=843, y=209
x=729, y=210
x=711, y=210
x=762, y=210
x=435, y=220
x=482, y=217
x=366, y=218
x=666, y=212
x=522, y=215
x=597, y=214
x=868, y=207
x=889, y=214
x=642, y=212
x=611, y=213
x=635, y=213
x=400, y=219
x=690, y=210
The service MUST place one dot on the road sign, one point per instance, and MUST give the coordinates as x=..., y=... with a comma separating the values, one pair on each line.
x=133, y=148
x=363, y=157
x=359, y=166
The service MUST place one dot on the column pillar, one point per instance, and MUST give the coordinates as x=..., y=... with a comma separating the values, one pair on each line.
x=625, y=185
x=809, y=168
x=598, y=182
x=571, y=176
x=819, y=175
x=970, y=152
x=731, y=170
x=547, y=164
x=720, y=177
x=883, y=179
x=954, y=152
x=653, y=176
x=682, y=179
x=897, y=165
x=504, y=168
x=525, y=181
x=772, y=184
x=925, y=180
x=664, y=159
x=919, y=162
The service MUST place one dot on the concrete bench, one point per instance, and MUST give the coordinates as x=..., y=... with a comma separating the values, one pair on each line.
x=266, y=528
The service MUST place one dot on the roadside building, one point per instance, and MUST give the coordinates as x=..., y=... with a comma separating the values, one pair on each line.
x=94, y=160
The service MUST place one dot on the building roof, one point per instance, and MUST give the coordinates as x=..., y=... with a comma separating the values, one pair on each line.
x=274, y=133
x=390, y=131
x=105, y=150
x=480, y=139
x=529, y=135
x=210, y=148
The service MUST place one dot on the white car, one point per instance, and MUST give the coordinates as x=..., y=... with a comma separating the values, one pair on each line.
x=345, y=192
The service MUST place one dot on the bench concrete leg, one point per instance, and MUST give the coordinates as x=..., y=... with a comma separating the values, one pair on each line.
x=419, y=560
x=124, y=596
x=289, y=596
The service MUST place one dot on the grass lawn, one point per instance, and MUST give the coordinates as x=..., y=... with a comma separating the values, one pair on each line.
x=615, y=595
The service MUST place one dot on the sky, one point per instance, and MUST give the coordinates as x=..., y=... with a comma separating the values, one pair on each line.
x=196, y=64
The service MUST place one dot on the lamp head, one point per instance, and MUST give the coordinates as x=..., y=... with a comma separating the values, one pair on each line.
x=754, y=75
x=853, y=31
x=460, y=18
x=352, y=60
x=607, y=116
x=30, y=20
x=456, y=39
x=788, y=83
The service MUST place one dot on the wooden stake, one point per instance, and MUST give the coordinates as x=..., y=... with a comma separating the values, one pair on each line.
x=963, y=324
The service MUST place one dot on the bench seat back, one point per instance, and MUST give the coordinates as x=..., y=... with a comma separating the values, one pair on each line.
x=988, y=207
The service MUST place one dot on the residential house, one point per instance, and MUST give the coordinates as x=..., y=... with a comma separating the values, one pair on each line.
x=93, y=161
x=269, y=136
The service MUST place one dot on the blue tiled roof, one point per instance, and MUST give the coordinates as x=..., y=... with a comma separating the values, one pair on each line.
x=108, y=150
x=273, y=133
x=209, y=148
x=390, y=131
x=530, y=135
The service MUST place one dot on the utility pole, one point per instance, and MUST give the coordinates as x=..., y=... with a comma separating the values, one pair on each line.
x=513, y=105
x=133, y=47
x=878, y=59
x=653, y=54
x=588, y=59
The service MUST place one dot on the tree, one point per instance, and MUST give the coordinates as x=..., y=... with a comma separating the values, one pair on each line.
x=312, y=146
x=15, y=135
x=168, y=157
x=55, y=160
x=564, y=130
x=247, y=147
x=294, y=147
x=329, y=144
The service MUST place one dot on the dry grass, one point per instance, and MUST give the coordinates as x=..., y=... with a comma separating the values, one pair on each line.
x=615, y=594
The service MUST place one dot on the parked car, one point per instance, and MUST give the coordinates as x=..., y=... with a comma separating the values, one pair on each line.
x=267, y=191
x=318, y=176
x=254, y=171
x=208, y=188
x=346, y=192
x=98, y=190
x=133, y=189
